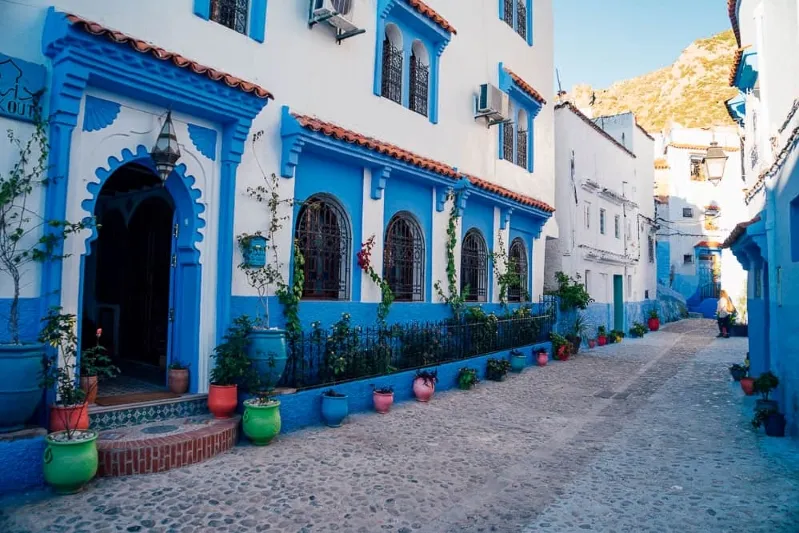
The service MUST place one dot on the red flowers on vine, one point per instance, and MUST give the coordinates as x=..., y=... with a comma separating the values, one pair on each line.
x=364, y=255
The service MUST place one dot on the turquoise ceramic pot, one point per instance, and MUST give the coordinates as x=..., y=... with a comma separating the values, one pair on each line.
x=20, y=371
x=334, y=410
x=267, y=350
x=518, y=362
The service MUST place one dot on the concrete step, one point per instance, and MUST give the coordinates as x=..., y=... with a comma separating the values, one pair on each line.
x=164, y=445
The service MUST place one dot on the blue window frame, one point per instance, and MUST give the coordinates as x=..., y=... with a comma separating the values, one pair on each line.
x=409, y=46
x=516, y=138
x=232, y=13
x=518, y=14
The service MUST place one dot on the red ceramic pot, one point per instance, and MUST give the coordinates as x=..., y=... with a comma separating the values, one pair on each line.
x=654, y=324
x=72, y=417
x=602, y=340
x=89, y=386
x=748, y=386
x=563, y=352
x=423, y=391
x=591, y=343
x=383, y=401
x=542, y=358
x=222, y=400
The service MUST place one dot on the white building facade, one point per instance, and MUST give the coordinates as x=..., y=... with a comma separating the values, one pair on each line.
x=376, y=130
x=604, y=186
x=695, y=214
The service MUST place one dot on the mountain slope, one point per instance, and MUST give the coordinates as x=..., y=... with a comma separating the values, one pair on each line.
x=691, y=92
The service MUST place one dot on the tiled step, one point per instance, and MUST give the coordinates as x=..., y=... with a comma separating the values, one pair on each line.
x=102, y=418
x=164, y=445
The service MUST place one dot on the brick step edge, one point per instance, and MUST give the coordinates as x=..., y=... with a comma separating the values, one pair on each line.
x=159, y=454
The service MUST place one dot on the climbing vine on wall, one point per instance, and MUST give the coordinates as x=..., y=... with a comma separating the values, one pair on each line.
x=454, y=297
x=505, y=271
x=290, y=296
x=386, y=294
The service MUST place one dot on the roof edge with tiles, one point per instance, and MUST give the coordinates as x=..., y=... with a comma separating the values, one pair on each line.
x=433, y=15
x=526, y=87
x=581, y=116
x=509, y=194
x=732, y=12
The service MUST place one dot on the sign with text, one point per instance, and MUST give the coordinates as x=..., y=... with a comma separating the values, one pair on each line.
x=21, y=86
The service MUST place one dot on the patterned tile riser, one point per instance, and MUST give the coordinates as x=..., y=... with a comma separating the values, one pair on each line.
x=151, y=413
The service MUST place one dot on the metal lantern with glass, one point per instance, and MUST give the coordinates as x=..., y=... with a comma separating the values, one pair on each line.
x=166, y=152
x=715, y=161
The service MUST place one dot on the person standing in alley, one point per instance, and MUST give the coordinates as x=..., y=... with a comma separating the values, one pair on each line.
x=724, y=311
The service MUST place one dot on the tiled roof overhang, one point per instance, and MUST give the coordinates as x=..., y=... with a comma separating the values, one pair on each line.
x=430, y=13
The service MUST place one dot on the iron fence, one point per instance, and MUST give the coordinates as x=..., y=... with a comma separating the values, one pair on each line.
x=344, y=352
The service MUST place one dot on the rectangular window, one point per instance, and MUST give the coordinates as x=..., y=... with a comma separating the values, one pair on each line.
x=507, y=14
x=617, y=226
x=507, y=141
x=231, y=13
x=687, y=212
x=392, y=72
x=588, y=215
x=688, y=259
x=697, y=168
x=588, y=281
x=602, y=221
x=651, y=248
x=521, y=147
x=515, y=13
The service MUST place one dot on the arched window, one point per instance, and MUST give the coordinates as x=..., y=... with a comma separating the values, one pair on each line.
x=508, y=139
x=420, y=78
x=403, y=258
x=517, y=263
x=474, y=266
x=323, y=235
x=392, y=64
x=521, y=139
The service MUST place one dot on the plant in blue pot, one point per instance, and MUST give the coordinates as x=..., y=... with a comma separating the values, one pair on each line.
x=25, y=240
x=342, y=346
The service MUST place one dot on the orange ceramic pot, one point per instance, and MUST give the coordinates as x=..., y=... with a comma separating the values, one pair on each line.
x=383, y=401
x=70, y=417
x=89, y=386
x=748, y=386
x=179, y=380
x=423, y=391
x=222, y=400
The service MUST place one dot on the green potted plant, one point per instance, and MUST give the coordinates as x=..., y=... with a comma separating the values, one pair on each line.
x=654, y=320
x=770, y=417
x=231, y=369
x=25, y=240
x=561, y=347
x=178, y=377
x=95, y=363
x=261, y=420
x=497, y=369
x=602, y=335
x=616, y=335
x=575, y=335
x=571, y=293
x=764, y=384
x=467, y=378
x=517, y=360
x=638, y=330
x=70, y=456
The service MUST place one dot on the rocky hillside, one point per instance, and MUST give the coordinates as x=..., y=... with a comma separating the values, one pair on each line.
x=691, y=92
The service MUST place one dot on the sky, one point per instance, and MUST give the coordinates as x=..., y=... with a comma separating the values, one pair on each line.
x=602, y=41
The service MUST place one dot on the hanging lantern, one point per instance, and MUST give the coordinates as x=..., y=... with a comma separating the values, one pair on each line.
x=166, y=152
x=715, y=161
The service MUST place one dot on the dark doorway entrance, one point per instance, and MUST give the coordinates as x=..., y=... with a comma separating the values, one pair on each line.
x=127, y=277
x=618, y=302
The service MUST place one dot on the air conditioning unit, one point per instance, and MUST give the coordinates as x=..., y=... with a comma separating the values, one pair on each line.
x=337, y=13
x=493, y=105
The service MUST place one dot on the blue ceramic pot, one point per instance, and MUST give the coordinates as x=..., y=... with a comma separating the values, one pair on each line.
x=255, y=253
x=518, y=362
x=267, y=351
x=775, y=425
x=334, y=410
x=20, y=371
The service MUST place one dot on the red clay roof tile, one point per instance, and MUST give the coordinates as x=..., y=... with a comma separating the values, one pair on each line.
x=736, y=233
x=164, y=55
x=507, y=193
x=732, y=6
x=661, y=164
x=736, y=64
x=707, y=244
x=430, y=13
x=526, y=87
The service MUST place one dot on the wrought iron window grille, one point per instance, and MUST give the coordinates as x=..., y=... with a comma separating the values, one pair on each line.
x=508, y=12
x=392, y=72
x=231, y=13
x=322, y=233
x=403, y=259
x=521, y=18
x=474, y=267
x=507, y=141
x=521, y=148
x=517, y=257
x=420, y=84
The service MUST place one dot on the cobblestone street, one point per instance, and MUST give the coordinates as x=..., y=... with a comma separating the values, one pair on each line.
x=648, y=435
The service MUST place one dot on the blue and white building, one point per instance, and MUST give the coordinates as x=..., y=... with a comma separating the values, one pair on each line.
x=369, y=110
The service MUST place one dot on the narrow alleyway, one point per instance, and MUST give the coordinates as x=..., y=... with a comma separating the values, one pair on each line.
x=649, y=435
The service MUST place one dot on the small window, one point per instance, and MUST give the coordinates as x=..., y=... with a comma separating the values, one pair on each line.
x=231, y=13
x=617, y=226
x=474, y=267
x=697, y=168
x=392, y=65
x=403, y=258
x=517, y=263
x=587, y=215
x=687, y=212
x=651, y=248
x=602, y=221
x=587, y=281
x=688, y=259
x=646, y=294
x=420, y=78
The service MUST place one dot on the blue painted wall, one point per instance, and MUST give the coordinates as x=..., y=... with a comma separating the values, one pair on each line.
x=21, y=461
x=29, y=324
x=601, y=314
x=663, y=251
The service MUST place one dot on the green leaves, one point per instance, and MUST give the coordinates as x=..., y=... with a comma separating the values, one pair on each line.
x=571, y=293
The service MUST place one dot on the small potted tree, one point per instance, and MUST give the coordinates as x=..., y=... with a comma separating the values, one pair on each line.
x=517, y=360
x=383, y=398
x=601, y=336
x=95, y=363
x=178, y=377
x=497, y=369
x=70, y=456
x=764, y=384
x=467, y=378
x=231, y=369
x=424, y=384
x=654, y=320
x=541, y=357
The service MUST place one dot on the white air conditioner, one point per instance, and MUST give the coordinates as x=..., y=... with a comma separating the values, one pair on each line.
x=493, y=104
x=337, y=13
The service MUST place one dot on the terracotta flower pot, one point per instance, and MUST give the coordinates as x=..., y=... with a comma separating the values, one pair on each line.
x=602, y=340
x=383, y=401
x=423, y=391
x=222, y=400
x=89, y=386
x=748, y=386
x=591, y=343
x=179, y=380
x=563, y=352
x=542, y=358
x=63, y=417
x=654, y=324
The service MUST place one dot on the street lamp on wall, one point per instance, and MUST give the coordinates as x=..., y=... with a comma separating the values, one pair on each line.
x=715, y=161
x=166, y=152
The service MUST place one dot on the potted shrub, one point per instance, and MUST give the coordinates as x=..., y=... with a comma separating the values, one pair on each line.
x=20, y=250
x=496, y=369
x=542, y=358
x=763, y=385
x=261, y=419
x=232, y=368
x=654, y=320
x=467, y=378
x=601, y=336
x=638, y=330
x=70, y=456
x=772, y=419
x=561, y=347
x=738, y=372
x=383, y=398
x=178, y=377
x=517, y=360
x=616, y=335
x=575, y=335
x=424, y=384
x=95, y=363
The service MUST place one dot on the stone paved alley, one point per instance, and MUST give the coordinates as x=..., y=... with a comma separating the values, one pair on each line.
x=649, y=435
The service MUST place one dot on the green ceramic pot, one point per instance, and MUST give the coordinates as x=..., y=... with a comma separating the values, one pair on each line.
x=261, y=422
x=70, y=464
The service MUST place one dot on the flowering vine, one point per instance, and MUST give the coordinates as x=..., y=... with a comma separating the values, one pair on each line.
x=386, y=294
